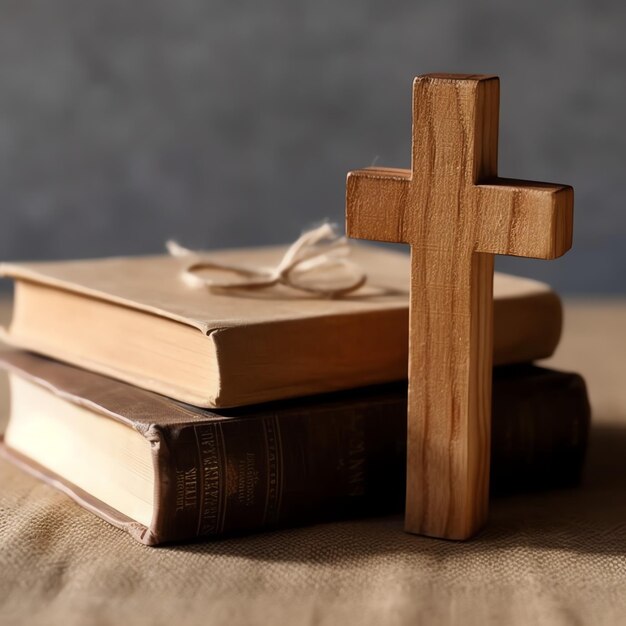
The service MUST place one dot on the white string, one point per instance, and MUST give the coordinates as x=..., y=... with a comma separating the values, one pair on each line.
x=317, y=249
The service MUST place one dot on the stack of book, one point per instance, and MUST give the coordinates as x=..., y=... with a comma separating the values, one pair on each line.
x=177, y=413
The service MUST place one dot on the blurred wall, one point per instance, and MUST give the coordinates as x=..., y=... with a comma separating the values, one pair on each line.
x=233, y=123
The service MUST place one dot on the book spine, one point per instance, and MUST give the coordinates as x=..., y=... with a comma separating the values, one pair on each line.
x=289, y=468
x=242, y=474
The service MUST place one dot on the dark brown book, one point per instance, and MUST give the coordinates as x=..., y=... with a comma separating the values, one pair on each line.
x=165, y=471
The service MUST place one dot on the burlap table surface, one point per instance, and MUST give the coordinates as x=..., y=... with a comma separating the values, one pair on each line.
x=551, y=558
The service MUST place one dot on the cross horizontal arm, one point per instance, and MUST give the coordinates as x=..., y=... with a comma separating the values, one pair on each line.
x=376, y=201
x=524, y=218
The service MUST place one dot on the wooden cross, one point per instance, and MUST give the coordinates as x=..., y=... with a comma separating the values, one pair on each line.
x=456, y=214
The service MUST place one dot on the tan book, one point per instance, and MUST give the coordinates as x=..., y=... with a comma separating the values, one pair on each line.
x=135, y=319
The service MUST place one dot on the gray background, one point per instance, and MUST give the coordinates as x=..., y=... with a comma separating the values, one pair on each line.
x=124, y=123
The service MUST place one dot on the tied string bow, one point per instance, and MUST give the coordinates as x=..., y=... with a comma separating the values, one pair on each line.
x=319, y=250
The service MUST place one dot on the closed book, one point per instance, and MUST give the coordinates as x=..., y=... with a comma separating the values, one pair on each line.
x=166, y=472
x=134, y=319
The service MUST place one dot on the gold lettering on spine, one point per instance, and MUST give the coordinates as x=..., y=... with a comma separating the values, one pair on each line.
x=186, y=489
x=247, y=479
x=209, y=442
x=274, y=470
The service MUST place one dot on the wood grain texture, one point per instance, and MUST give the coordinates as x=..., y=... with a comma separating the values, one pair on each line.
x=456, y=214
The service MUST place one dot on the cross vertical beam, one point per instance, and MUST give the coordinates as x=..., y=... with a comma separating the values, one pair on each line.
x=455, y=213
